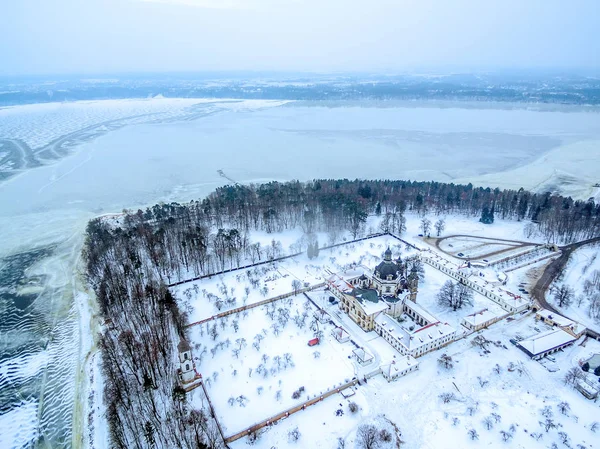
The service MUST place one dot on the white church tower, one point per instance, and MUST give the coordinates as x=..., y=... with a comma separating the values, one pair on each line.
x=186, y=364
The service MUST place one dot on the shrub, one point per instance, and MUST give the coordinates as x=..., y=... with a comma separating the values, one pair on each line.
x=385, y=435
x=353, y=406
x=585, y=367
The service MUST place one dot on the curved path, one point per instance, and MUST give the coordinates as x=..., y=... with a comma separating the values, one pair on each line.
x=551, y=273
x=515, y=244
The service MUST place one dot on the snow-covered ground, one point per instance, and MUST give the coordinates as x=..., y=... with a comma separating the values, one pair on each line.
x=581, y=266
x=261, y=380
x=247, y=286
x=518, y=398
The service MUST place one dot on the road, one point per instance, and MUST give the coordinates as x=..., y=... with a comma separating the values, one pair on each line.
x=551, y=272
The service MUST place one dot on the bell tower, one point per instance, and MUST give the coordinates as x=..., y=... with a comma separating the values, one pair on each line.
x=186, y=364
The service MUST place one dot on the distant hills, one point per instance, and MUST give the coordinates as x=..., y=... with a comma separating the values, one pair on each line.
x=549, y=88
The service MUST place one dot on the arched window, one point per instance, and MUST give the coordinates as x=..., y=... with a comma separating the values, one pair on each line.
x=187, y=366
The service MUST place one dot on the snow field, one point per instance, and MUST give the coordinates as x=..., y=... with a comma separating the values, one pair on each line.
x=269, y=368
x=208, y=297
x=412, y=402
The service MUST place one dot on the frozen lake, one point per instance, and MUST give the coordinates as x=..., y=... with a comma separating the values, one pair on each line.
x=106, y=156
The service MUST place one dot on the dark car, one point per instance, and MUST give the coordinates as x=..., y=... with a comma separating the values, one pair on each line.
x=331, y=299
x=460, y=254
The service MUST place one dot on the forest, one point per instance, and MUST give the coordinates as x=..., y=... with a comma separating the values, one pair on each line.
x=131, y=260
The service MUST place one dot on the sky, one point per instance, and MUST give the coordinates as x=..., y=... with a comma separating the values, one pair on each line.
x=113, y=36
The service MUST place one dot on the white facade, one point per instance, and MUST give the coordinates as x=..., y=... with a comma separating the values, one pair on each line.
x=399, y=367
x=186, y=363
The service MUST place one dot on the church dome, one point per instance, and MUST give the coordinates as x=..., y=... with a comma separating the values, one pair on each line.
x=387, y=268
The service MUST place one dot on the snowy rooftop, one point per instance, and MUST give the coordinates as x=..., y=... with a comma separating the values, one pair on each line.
x=370, y=307
x=421, y=311
x=398, y=365
x=555, y=317
x=545, y=341
x=339, y=283
x=414, y=340
x=480, y=317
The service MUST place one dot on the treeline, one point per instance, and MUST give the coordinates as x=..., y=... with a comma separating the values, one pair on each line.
x=130, y=259
x=145, y=405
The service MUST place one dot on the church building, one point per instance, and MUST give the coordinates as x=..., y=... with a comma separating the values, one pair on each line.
x=386, y=302
x=364, y=297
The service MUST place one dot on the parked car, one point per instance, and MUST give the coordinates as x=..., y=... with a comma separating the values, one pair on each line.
x=331, y=299
x=460, y=254
x=513, y=341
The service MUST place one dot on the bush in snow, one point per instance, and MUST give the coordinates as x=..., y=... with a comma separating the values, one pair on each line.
x=564, y=438
x=595, y=426
x=564, y=407
x=488, y=423
x=447, y=397
x=445, y=361
x=385, y=435
x=353, y=406
x=253, y=437
x=294, y=435
x=585, y=367
x=506, y=436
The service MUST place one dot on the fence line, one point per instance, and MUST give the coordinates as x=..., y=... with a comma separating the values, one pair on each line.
x=256, y=304
x=229, y=270
x=288, y=412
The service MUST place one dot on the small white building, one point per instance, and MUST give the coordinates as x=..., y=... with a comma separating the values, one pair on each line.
x=479, y=320
x=399, y=367
x=340, y=334
x=554, y=319
x=362, y=356
x=187, y=369
x=546, y=343
x=321, y=316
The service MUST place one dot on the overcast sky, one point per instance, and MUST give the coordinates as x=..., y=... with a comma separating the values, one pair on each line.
x=107, y=36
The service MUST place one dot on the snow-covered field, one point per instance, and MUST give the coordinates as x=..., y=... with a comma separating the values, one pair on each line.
x=518, y=398
x=273, y=362
x=207, y=297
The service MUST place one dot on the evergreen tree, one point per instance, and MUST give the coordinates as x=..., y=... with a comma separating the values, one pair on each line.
x=487, y=215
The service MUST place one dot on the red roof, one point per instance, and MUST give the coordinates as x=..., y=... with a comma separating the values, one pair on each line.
x=314, y=341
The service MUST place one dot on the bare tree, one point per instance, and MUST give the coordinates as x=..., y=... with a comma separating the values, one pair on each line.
x=445, y=361
x=548, y=424
x=473, y=434
x=367, y=436
x=506, y=436
x=488, y=422
x=296, y=285
x=572, y=376
x=439, y=226
x=455, y=295
x=564, y=407
x=564, y=438
x=447, y=397
x=564, y=295
x=425, y=226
